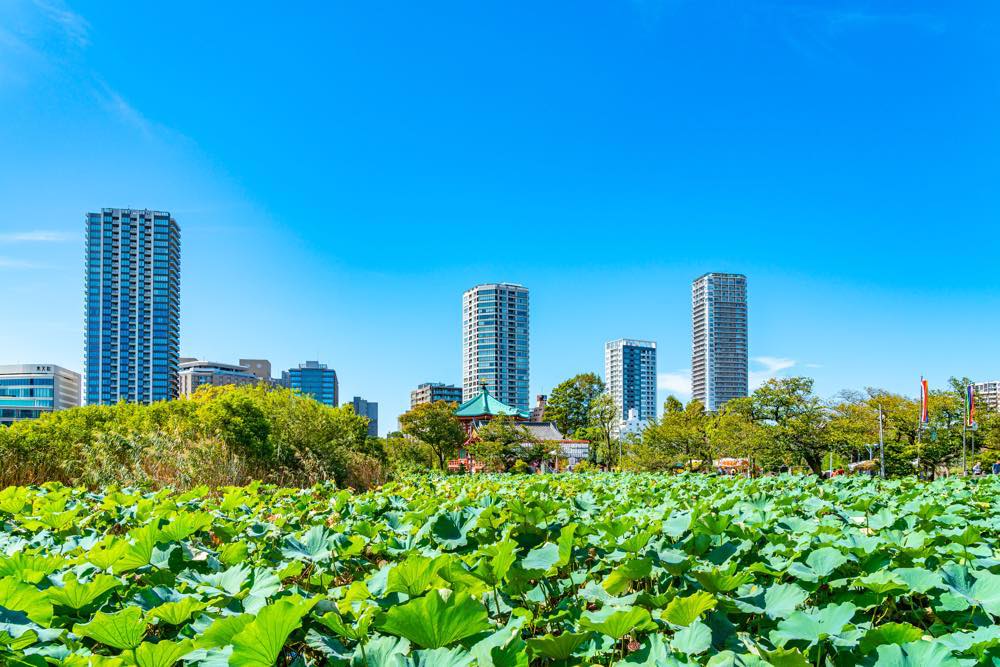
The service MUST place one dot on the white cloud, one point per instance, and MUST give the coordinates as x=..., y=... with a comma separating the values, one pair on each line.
x=770, y=367
x=38, y=235
x=677, y=382
x=118, y=106
x=75, y=27
x=11, y=263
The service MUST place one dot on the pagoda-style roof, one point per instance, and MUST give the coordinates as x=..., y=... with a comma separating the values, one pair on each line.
x=486, y=404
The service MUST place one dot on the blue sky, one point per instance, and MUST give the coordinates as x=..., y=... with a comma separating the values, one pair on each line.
x=343, y=171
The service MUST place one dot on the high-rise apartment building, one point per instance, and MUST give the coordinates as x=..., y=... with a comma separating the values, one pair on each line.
x=630, y=377
x=987, y=394
x=131, y=348
x=495, y=343
x=314, y=379
x=367, y=409
x=30, y=390
x=429, y=392
x=719, y=353
x=196, y=372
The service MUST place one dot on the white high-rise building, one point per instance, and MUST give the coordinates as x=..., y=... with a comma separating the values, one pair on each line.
x=495, y=343
x=630, y=377
x=719, y=353
x=987, y=394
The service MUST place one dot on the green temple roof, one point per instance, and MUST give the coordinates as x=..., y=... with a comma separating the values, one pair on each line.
x=486, y=404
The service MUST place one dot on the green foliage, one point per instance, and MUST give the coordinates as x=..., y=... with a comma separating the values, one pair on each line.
x=502, y=442
x=625, y=569
x=220, y=436
x=569, y=403
x=435, y=425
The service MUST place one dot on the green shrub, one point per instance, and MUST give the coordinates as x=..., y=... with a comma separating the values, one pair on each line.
x=219, y=436
x=521, y=468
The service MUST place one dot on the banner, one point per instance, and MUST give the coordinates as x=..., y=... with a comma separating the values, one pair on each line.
x=925, y=415
x=970, y=406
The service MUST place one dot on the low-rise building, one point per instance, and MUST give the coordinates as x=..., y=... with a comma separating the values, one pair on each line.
x=259, y=367
x=429, y=392
x=30, y=390
x=197, y=372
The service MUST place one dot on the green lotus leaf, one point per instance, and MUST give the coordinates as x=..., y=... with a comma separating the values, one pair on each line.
x=781, y=600
x=451, y=529
x=819, y=564
x=882, y=582
x=315, y=545
x=542, y=558
x=161, y=654
x=721, y=580
x=75, y=595
x=918, y=579
x=441, y=657
x=916, y=654
x=433, y=621
x=139, y=552
x=123, y=630
x=183, y=525
x=413, y=576
x=18, y=596
x=356, y=631
x=814, y=625
x=692, y=639
x=179, y=611
x=29, y=568
x=624, y=574
x=222, y=630
x=617, y=622
x=383, y=652
x=889, y=633
x=684, y=611
x=259, y=643
x=559, y=647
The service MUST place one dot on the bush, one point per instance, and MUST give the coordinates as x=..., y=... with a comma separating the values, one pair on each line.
x=521, y=468
x=585, y=466
x=220, y=436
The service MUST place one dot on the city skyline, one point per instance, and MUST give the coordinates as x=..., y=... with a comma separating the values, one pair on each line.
x=343, y=227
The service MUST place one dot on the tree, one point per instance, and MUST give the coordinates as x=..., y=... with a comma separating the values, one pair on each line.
x=603, y=418
x=435, y=425
x=682, y=433
x=794, y=418
x=570, y=402
x=501, y=442
x=732, y=432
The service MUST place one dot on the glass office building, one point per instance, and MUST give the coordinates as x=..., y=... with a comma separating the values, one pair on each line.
x=719, y=351
x=132, y=340
x=29, y=390
x=495, y=343
x=314, y=379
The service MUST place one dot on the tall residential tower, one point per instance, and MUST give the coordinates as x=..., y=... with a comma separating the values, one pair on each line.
x=719, y=357
x=630, y=377
x=495, y=343
x=132, y=340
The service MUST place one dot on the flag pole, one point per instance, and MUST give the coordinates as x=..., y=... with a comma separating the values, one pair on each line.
x=881, y=443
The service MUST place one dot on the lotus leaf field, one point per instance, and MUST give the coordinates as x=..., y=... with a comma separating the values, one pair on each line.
x=629, y=569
